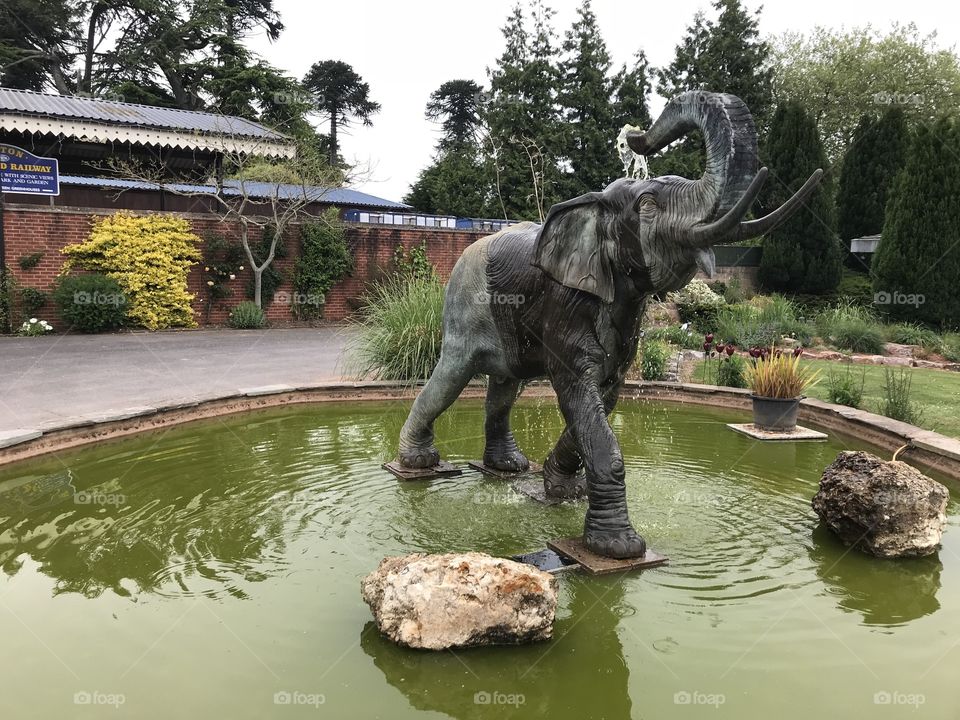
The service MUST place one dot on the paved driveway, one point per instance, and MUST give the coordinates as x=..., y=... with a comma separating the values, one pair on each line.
x=44, y=381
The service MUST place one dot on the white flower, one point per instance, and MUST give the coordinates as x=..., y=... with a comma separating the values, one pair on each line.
x=33, y=321
x=241, y=267
x=685, y=326
x=233, y=277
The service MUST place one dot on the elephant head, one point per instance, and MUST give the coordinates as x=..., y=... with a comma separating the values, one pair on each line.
x=657, y=232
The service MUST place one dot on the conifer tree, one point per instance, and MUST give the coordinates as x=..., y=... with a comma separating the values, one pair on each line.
x=803, y=255
x=917, y=266
x=869, y=167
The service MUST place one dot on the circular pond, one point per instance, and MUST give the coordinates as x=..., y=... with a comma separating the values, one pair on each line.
x=212, y=570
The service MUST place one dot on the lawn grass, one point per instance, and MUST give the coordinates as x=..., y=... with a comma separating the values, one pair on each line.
x=937, y=391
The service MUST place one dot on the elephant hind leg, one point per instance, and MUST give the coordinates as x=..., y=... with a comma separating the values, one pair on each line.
x=501, y=451
x=444, y=386
x=563, y=475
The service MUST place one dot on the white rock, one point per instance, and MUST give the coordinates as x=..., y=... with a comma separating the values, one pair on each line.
x=460, y=600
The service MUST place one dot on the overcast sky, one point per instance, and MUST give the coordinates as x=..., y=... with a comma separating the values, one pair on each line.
x=405, y=50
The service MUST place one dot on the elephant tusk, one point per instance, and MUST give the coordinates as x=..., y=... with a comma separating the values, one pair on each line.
x=703, y=236
x=761, y=226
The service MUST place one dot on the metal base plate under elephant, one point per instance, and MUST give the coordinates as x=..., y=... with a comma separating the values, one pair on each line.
x=563, y=300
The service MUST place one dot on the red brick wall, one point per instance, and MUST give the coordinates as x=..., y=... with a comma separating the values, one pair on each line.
x=32, y=228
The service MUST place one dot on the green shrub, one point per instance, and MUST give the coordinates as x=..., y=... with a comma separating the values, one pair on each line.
x=761, y=322
x=896, y=402
x=678, y=335
x=913, y=334
x=850, y=326
x=30, y=261
x=732, y=372
x=34, y=328
x=951, y=347
x=846, y=388
x=324, y=260
x=247, y=316
x=400, y=329
x=31, y=301
x=654, y=355
x=698, y=304
x=90, y=303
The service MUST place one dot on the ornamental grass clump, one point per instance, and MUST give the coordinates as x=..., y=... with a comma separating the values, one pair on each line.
x=150, y=257
x=777, y=374
x=400, y=330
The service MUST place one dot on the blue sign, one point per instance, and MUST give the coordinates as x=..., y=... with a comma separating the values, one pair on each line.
x=24, y=172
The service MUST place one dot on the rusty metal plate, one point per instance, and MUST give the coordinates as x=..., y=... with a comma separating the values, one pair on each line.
x=574, y=549
x=534, y=469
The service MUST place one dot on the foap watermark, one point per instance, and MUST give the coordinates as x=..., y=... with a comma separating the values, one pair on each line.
x=82, y=297
x=693, y=497
x=897, y=98
x=898, y=298
x=895, y=697
x=298, y=298
x=95, y=697
x=498, y=298
x=92, y=497
x=498, y=698
x=492, y=497
x=295, y=697
x=696, y=697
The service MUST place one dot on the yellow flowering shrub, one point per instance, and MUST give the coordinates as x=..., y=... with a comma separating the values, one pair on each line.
x=150, y=256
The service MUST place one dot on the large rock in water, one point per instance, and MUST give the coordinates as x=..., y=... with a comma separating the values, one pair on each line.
x=460, y=600
x=888, y=509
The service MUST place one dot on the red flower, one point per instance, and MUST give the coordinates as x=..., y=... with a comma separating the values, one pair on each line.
x=709, y=338
x=797, y=351
x=706, y=347
x=730, y=350
x=721, y=347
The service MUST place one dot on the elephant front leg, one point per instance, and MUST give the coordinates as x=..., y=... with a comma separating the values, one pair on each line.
x=444, y=386
x=607, y=529
x=501, y=451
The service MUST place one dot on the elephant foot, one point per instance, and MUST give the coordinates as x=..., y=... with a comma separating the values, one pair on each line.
x=561, y=485
x=508, y=460
x=419, y=457
x=619, y=544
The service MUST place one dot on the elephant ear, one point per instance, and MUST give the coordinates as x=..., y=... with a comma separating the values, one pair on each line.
x=572, y=249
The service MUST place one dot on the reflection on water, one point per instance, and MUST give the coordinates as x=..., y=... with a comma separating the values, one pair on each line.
x=884, y=591
x=232, y=550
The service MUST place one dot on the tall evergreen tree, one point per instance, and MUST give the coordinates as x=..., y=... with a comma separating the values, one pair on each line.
x=585, y=103
x=523, y=126
x=870, y=165
x=340, y=95
x=456, y=105
x=919, y=251
x=722, y=55
x=631, y=89
x=803, y=255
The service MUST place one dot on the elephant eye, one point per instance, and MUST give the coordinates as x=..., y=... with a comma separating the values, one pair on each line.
x=646, y=203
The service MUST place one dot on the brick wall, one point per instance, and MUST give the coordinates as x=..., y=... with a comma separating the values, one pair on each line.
x=34, y=228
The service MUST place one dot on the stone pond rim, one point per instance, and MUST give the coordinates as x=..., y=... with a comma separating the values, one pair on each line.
x=928, y=449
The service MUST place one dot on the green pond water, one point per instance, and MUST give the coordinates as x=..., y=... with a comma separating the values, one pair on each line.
x=213, y=571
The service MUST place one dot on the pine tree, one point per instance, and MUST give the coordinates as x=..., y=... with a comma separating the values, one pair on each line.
x=523, y=126
x=726, y=55
x=631, y=88
x=585, y=100
x=918, y=254
x=803, y=255
x=870, y=165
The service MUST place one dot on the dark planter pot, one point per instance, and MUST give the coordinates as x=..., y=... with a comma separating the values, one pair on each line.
x=775, y=414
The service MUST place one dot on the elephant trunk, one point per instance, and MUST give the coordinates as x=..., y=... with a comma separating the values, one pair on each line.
x=731, y=145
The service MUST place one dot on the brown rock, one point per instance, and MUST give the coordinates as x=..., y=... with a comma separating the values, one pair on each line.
x=888, y=509
x=457, y=600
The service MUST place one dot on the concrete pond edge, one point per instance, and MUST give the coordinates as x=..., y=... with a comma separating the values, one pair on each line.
x=925, y=449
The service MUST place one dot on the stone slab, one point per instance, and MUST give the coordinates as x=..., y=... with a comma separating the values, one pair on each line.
x=441, y=469
x=8, y=438
x=266, y=390
x=798, y=433
x=534, y=469
x=118, y=415
x=574, y=549
x=532, y=487
x=547, y=561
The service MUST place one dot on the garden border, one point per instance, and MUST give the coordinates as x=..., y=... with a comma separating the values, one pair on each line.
x=923, y=447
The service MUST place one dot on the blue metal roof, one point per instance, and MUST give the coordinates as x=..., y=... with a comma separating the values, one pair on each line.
x=28, y=102
x=344, y=197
